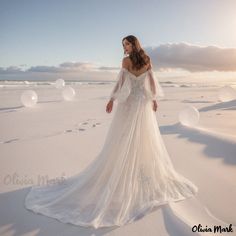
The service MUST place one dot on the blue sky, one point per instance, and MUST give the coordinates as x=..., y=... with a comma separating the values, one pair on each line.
x=46, y=34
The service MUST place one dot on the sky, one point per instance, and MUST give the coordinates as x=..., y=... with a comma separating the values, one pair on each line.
x=75, y=39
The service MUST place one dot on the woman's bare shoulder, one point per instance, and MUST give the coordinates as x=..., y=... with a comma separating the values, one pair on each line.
x=149, y=62
x=126, y=62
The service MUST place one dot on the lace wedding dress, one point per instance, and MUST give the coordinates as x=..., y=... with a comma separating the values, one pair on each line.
x=132, y=173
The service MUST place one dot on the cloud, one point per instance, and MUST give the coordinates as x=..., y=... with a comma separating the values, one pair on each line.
x=46, y=69
x=169, y=57
x=77, y=66
x=65, y=67
x=193, y=58
x=67, y=70
x=10, y=70
x=108, y=68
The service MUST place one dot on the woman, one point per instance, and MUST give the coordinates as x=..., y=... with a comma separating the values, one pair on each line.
x=133, y=172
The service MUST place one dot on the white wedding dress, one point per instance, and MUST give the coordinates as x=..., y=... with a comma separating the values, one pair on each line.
x=132, y=173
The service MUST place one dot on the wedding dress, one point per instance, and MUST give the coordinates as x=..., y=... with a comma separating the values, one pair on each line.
x=132, y=173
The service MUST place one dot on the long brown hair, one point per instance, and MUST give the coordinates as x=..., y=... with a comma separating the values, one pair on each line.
x=138, y=56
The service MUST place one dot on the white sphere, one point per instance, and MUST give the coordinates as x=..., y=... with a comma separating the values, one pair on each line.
x=226, y=93
x=189, y=116
x=68, y=93
x=60, y=83
x=29, y=98
x=123, y=94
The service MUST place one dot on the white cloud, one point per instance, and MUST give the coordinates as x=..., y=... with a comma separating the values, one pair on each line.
x=169, y=57
x=47, y=69
x=77, y=66
x=67, y=70
x=193, y=58
x=10, y=70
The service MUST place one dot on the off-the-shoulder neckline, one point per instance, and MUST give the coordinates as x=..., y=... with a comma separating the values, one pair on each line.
x=134, y=74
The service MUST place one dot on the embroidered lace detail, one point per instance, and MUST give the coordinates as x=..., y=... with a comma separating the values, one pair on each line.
x=143, y=178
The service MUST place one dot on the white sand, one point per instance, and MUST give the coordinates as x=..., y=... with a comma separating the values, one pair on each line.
x=51, y=140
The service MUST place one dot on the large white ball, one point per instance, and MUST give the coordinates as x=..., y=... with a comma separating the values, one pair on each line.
x=123, y=94
x=226, y=93
x=189, y=116
x=60, y=83
x=29, y=98
x=26, y=82
x=68, y=93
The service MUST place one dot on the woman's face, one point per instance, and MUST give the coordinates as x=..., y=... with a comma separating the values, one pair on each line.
x=127, y=46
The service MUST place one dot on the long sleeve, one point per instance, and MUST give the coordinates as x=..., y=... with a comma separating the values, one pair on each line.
x=154, y=87
x=119, y=84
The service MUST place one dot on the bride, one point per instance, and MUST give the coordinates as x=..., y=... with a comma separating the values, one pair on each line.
x=133, y=172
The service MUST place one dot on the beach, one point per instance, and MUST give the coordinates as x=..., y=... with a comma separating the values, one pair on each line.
x=56, y=139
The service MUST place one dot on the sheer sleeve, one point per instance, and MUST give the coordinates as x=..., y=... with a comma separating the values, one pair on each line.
x=153, y=86
x=120, y=80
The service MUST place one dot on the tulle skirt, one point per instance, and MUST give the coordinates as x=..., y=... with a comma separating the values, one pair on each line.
x=131, y=175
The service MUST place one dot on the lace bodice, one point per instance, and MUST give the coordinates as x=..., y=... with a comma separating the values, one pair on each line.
x=137, y=88
x=144, y=85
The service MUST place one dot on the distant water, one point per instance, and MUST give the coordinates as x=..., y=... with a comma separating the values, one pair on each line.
x=169, y=83
x=25, y=83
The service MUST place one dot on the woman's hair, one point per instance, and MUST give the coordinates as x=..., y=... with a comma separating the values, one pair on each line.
x=138, y=56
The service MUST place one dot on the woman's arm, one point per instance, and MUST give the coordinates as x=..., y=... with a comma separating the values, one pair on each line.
x=152, y=83
x=155, y=87
x=120, y=81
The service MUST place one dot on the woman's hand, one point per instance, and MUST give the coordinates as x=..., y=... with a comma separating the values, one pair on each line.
x=109, y=106
x=154, y=105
